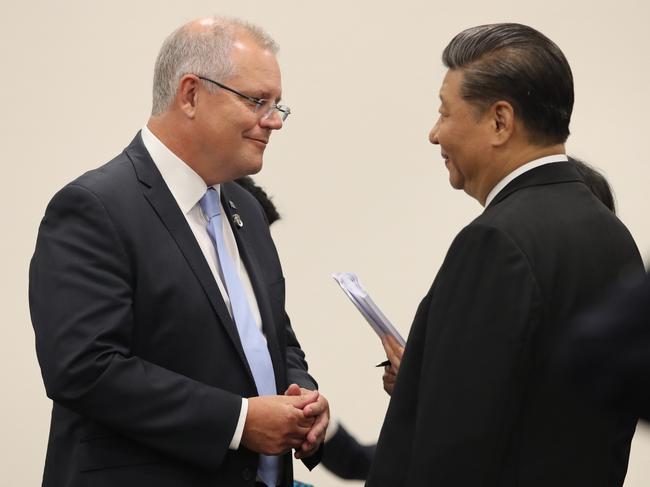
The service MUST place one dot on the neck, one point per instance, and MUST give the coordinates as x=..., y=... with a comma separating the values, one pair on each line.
x=177, y=138
x=173, y=138
x=505, y=163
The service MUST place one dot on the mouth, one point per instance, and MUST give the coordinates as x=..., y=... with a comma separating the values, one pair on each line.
x=445, y=157
x=260, y=141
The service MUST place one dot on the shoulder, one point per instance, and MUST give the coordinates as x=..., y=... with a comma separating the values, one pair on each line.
x=116, y=175
x=113, y=181
x=484, y=234
x=483, y=250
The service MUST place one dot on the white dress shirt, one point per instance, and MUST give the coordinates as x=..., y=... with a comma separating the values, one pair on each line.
x=520, y=170
x=187, y=188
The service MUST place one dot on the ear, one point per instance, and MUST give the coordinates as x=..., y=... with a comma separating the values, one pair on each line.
x=187, y=95
x=503, y=122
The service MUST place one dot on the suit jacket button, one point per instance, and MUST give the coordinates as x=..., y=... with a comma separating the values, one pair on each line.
x=248, y=474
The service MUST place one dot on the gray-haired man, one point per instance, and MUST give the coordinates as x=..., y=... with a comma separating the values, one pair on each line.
x=157, y=296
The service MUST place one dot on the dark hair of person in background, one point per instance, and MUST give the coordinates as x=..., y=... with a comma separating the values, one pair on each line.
x=516, y=63
x=260, y=195
x=596, y=182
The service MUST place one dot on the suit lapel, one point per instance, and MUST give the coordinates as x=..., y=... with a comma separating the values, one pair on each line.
x=160, y=198
x=247, y=254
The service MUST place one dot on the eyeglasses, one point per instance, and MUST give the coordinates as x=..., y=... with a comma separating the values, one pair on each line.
x=260, y=105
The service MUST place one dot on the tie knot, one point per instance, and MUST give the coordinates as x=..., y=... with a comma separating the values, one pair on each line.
x=210, y=203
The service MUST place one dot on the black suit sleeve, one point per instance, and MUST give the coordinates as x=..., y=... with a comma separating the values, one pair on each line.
x=81, y=284
x=483, y=311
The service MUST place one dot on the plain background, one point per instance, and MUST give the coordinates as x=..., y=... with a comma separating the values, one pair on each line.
x=355, y=179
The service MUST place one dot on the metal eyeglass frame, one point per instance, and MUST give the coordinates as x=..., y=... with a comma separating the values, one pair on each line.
x=282, y=110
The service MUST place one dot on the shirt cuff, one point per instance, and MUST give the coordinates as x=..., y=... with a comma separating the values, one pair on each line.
x=239, y=430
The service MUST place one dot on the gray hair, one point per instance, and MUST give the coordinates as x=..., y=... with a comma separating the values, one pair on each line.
x=201, y=51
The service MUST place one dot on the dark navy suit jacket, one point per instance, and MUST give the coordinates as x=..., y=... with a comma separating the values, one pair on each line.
x=136, y=346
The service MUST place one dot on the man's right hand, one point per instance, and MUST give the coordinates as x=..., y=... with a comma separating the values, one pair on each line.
x=394, y=353
x=276, y=424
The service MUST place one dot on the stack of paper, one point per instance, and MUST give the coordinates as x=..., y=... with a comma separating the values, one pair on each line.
x=350, y=284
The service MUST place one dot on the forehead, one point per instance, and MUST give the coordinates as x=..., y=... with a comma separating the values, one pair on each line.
x=255, y=66
x=450, y=88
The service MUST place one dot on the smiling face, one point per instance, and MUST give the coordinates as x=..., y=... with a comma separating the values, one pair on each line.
x=230, y=135
x=463, y=136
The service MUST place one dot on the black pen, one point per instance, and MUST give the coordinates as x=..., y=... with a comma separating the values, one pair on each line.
x=383, y=364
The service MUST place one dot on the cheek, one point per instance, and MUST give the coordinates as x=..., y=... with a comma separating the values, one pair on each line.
x=446, y=135
x=248, y=123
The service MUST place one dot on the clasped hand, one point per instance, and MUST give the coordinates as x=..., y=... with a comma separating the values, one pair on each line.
x=277, y=424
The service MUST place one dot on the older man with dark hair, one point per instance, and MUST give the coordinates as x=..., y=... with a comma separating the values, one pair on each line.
x=157, y=296
x=475, y=402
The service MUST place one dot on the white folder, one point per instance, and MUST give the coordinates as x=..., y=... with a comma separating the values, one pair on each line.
x=351, y=286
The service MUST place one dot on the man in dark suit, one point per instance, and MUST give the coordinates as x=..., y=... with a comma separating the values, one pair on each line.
x=475, y=402
x=157, y=297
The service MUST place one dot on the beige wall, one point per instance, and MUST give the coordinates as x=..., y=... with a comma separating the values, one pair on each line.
x=353, y=175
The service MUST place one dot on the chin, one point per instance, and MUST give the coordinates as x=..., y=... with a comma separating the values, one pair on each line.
x=456, y=180
x=255, y=168
x=252, y=167
x=456, y=184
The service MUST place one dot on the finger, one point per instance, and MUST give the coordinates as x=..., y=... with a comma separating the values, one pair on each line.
x=315, y=436
x=300, y=421
x=385, y=344
x=293, y=390
x=317, y=432
x=389, y=377
x=393, y=358
x=390, y=370
x=306, y=422
x=300, y=454
x=310, y=397
x=393, y=352
x=396, y=348
x=314, y=409
x=298, y=434
x=301, y=401
x=308, y=449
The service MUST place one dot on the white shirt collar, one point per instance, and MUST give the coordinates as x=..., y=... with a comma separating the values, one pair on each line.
x=185, y=185
x=520, y=170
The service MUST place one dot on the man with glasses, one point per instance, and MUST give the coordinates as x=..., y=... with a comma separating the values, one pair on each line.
x=156, y=293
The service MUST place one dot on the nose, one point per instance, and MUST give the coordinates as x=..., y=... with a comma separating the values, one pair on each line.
x=433, y=135
x=273, y=121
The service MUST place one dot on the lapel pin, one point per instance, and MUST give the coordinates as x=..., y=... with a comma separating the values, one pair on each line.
x=237, y=220
x=232, y=205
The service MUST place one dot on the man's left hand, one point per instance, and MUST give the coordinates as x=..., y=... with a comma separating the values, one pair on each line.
x=320, y=411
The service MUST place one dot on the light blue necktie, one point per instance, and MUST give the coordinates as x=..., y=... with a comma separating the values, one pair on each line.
x=252, y=339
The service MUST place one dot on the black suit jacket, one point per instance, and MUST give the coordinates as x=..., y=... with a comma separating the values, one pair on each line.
x=475, y=403
x=606, y=350
x=136, y=346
